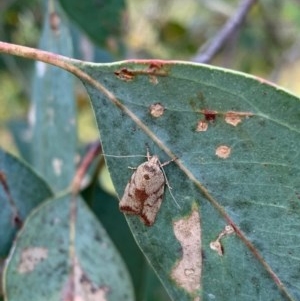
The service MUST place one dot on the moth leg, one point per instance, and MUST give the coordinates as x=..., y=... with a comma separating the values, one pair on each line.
x=133, y=168
x=148, y=154
x=168, y=162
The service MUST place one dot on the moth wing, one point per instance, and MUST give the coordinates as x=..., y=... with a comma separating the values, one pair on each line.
x=151, y=207
x=128, y=204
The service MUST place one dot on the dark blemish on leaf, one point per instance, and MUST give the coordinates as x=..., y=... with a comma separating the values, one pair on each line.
x=125, y=74
x=200, y=96
x=16, y=219
x=193, y=104
x=209, y=115
x=155, y=66
x=197, y=102
x=98, y=237
x=294, y=205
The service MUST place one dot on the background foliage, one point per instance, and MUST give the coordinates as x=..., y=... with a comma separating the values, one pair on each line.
x=266, y=45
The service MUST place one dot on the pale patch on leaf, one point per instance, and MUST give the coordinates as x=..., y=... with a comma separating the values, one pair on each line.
x=32, y=116
x=80, y=288
x=156, y=110
x=187, y=271
x=216, y=245
x=202, y=126
x=234, y=118
x=57, y=166
x=223, y=151
x=30, y=258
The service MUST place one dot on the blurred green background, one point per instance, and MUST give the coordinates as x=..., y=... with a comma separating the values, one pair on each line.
x=266, y=44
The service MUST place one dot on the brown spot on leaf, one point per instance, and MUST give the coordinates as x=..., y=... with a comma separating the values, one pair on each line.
x=216, y=245
x=187, y=271
x=223, y=151
x=153, y=70
x=202, y=126
x=80, y=288
x=125, y=74
x=209, y=115
x=156, y=110
x=156, y=65
x=54, y=21
x=30, y=258
x=234, y=118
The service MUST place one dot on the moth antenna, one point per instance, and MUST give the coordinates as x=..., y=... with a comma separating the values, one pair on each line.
x=123, y=156
x=167, y=183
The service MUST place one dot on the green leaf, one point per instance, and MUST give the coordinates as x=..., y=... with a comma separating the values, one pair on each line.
x=53, y=116
x=21, y=133
x=45, y=260
x=102, y=21
x=21, y=190
x=237, y=143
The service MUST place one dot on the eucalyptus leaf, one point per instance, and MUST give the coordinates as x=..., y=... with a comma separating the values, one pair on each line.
x=236, y=138
x=53, y=112
x=21, y=190
x=42, y=265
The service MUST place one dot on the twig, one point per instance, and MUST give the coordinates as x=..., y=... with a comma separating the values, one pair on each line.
x=16, y=218
x=94, y=150
x=209, y=50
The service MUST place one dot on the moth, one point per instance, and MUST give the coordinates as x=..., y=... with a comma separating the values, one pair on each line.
x=144, y=192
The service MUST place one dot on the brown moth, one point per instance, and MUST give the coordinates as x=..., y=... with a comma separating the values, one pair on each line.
x=145, y=190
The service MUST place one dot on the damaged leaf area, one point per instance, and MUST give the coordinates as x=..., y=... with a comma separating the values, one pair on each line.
x=45, y=260
x=80, y=288
x=217, y=245
x=187, y=271
x=237, y=141
x=30, y=258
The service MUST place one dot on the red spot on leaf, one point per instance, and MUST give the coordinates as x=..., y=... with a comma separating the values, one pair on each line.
x=209, y=115
x=125, y=74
